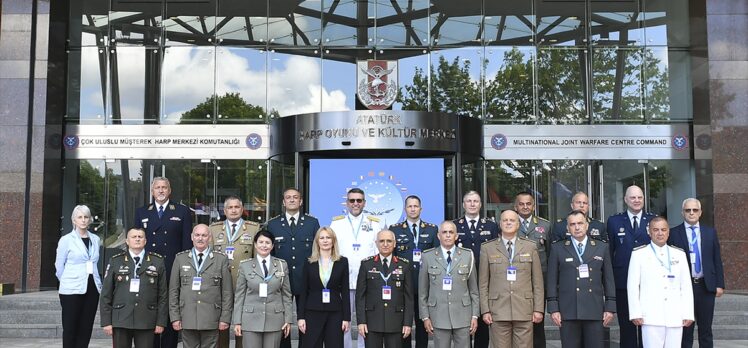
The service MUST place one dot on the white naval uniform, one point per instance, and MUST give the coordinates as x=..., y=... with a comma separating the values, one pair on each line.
x=345, y=228
x=662, y=297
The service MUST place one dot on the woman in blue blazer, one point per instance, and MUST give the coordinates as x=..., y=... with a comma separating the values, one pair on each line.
x=80, y=283
x=324, y=310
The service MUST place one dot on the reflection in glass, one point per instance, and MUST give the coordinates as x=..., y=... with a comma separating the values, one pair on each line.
x=91, y=18
x=294, y=82
x=561, y=85
x=246, y=179
x=617, y=82
x=617, y=23
x=88, y=79
x=506, y=178
x=302, y=28
x=508, y=23
x=667, y=23
x=676, y=77
x=241, y=85
x=509, y=92
x=190, y=23
x=398, y=26
x=340, y=26
x=188, y=83
x=128, y=84
x=339, y=76
x=561, y=23
x=456, y=22
x=668, y=187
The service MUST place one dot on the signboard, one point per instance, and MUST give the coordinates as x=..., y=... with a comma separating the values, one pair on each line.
x=166, y=142
x=634, y=142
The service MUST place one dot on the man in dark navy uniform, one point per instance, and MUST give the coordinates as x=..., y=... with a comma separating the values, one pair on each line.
x=413, y=236
x=168, y=227
x=626, y=231
x=596, y=228
x=707, y=273
x=294, y=234
x=472, y=231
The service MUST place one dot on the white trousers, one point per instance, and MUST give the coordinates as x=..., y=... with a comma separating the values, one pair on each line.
x=347, y=340
x=661, y=336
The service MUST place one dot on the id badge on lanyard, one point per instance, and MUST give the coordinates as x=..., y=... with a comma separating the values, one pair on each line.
x=135, y=285
x=196, y=282
x=447, y=283
x=89, y=267
x=386, y=292
x=230, y=252
x=325, y=295
x=511, y=274
x=584, y=271
x=416, y=255
x=263, y=289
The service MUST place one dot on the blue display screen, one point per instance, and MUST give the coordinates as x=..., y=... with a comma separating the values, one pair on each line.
x=386, y=183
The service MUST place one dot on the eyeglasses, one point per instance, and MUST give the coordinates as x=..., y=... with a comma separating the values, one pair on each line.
x=692, y=210
x=355, y=200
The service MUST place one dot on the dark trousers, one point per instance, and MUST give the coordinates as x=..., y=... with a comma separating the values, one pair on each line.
x=123, y=338
x=420, y=334
x=323, y=328
x=703, y=308
x=382, y=339
x=582, y=334
x=480, y=340
x=167, y=339
x=224, y=339
x=538, y=335
x=631, y=335
x=78, y=313
x=286, y=341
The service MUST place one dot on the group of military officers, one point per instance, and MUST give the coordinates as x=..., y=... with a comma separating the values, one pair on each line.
x=469, y=277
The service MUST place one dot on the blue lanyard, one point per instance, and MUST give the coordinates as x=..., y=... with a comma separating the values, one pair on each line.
x=199, y=268
x=579, y=254
x=389, y=275
x=231, y=235
x=325, y=272
x=357, y=230
x=668, y=267
x=90, y=249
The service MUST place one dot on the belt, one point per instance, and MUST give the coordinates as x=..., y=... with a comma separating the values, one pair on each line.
x=697, y=280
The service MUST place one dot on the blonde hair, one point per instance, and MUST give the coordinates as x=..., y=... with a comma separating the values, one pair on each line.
x=334, y=253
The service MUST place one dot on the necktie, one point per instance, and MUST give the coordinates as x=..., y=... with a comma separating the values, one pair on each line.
x=160, y=211
x=697, y=252
x=449, y=257
x=233, y=228
x=265, y=267
x=137, y=263
x=509, y=247
x=293, y=222
x=525, y=226
x=579, y=248
x=199, y=259
x=415, y=235
x=472, y=225
x=385, y=266
x=636, y=224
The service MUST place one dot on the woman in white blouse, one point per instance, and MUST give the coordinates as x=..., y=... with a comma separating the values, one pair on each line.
x=80, y=282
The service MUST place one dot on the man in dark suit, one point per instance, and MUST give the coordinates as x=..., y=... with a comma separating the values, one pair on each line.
x=168, y=227
x=294, y=235
x=472, y=231
x=705, y=263
x=412, y=237
x=581, y=290
x=384, y=296
x=580, y=202
x=626, y=231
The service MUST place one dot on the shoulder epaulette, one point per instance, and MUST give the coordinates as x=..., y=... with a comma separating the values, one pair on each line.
x=375, y=219
x=155, y=254
x=184, y=251
x=218, y=252
x=558, y=240
x=310, y=215
x=339, y=217
x=217, y=223
x=566, y=241
x=488, y=241
x=542, y=219
x=368, y=258
x=675, y=247
x=466, y=249
x=429, y=249
x=279, y=259
x=252, y=222
x=559, y=220
x=403, y=259
x=528, y=240
x=120, y=254
x=598, y=238
x=430, y=224
x=245, y=260
x=640, y=247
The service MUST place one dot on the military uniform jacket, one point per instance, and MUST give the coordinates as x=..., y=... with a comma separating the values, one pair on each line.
x=510, y=300
x=448, y=309
x=596, y=229
x=653, y=296
x=405, y=243
x=538, y=230
x=346, y=230
x=622, y=239
x=201, y=309
x=580, y=298
x=169, y=234
x=263, y=314
x=384, y=315
x=142, y=310
x=294, y=245
x=485, y=230
x=243, y=242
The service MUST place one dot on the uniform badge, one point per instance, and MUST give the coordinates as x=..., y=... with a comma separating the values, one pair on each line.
x=540, y=229
x=594, y=232
x=175, y=218
x=245, y=237
x=599, y=258
x=119, y=278
x=397, y=283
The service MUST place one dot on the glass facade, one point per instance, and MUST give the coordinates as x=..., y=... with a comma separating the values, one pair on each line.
x=541, y=62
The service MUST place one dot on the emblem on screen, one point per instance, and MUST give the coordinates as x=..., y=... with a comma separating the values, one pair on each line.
x=376, y=83
x=70, y=142
x=384, y=196
x=253, y=141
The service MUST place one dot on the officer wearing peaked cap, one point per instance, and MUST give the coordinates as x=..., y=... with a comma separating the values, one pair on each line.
x=134, y=295
x=412, y=237
x=234, y=237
